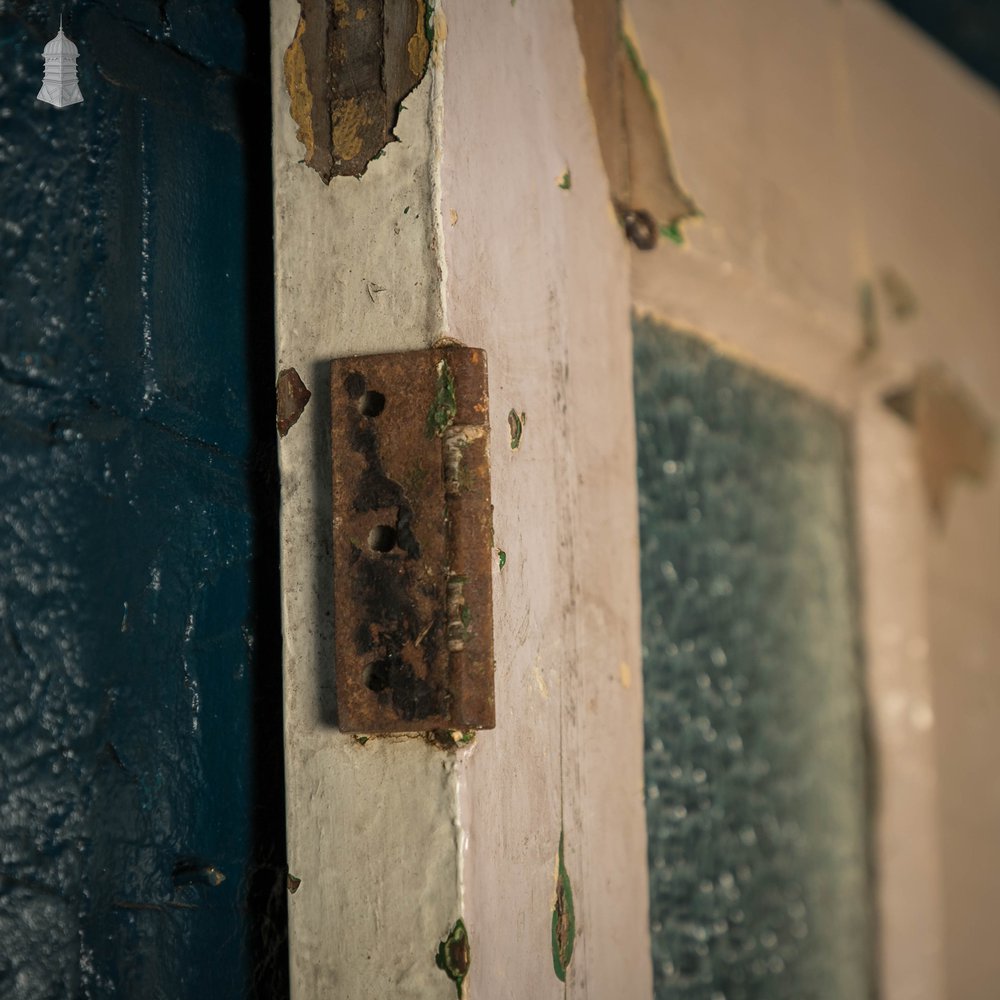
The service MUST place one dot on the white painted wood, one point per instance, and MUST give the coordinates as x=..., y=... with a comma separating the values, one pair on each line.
x=825, y=142
x=822, y=141
x=394, y=840
x=372, y=829
x=891, y=533
x=752, y=97
x=937, y=224
x=538, y=275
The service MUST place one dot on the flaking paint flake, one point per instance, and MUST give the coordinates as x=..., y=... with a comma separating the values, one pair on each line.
x=298, y=90
x=349, y=122
x=347, y=69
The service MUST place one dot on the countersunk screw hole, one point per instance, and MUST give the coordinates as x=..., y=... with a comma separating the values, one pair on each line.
x=371, y=403
x=382, y=538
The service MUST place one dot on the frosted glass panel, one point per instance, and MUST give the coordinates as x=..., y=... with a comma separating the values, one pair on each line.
x=755, y=750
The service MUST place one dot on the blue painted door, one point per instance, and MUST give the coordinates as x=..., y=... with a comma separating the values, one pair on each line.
x=141, y=795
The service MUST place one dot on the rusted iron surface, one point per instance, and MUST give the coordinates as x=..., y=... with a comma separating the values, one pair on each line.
x=412, y=541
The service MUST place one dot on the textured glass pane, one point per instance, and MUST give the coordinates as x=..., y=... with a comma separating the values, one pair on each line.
x=755, y=749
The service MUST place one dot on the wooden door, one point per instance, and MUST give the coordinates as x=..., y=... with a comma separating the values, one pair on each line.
x=141, y=802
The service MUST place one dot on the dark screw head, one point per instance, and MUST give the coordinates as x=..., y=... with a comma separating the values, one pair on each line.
x=640, y=228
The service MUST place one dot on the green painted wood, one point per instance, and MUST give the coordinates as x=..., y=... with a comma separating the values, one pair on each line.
x=755, y=738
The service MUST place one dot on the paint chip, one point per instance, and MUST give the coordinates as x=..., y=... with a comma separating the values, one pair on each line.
x=451, y=739
x=347, y=70
x=625, y=672
x=418, y=48
x=292, y=399
x=673, y=233
x=631, y=127
x=298, y=90
x=954, y=436
x=516, y=421
x=543, y=688
x=190, y=872
x=871, y=335
x=563, y=919
x=899, y=293
x=443, y=409
x=454, y=956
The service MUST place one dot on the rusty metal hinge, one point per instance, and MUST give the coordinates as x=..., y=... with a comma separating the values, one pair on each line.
x=412, y=541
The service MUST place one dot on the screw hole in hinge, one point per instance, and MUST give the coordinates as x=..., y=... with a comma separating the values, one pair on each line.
x=382, y=538
x=376, y=675
x=371, y=403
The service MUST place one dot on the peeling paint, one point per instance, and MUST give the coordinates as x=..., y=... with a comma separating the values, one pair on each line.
x=899, y=294
x=871, y=335
x=954, y=436
x=673, y=233
x=454, y=956
x=442, y=412
x=292, y=399
x=418, y=48
x=298, y=90
x=543, y=688
x=437, y=35
x=349, y=121
x=347, y=70
x=563, y=919
x=190, y=872
x=451, y=739
x=516, y=421
x=637, y=67
x=654, y=184
x=631, y=129
x=458, y=614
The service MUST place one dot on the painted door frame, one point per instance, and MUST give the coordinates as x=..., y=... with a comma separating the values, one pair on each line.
x=394, y=839
x=468, y=228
